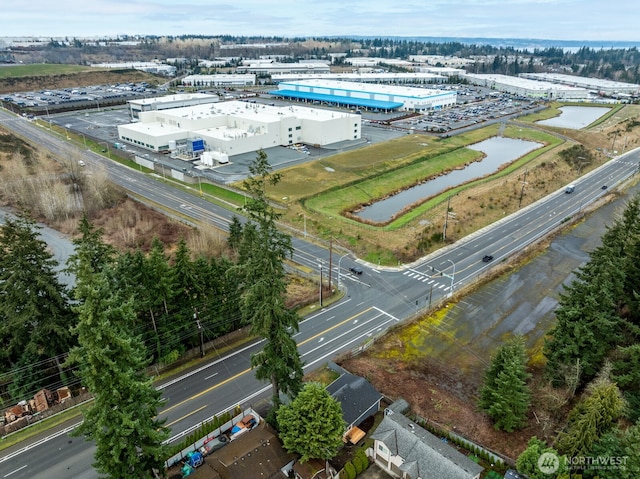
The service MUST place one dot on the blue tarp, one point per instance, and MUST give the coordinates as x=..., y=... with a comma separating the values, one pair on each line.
x=341, y=100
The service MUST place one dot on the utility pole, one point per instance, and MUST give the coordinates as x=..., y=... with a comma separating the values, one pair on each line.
x=195, y=316
x=330, y=255
x=524, y=182
x=446, y=220
x=320, y=284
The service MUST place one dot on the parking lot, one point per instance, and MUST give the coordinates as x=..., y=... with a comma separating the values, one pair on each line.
x=476, y=107
x=95, y=96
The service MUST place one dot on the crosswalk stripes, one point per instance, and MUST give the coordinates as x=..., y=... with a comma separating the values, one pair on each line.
x=425, y=279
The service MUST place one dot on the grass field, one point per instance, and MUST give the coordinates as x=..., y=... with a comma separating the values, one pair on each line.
x=320, y=195
x=41, y=69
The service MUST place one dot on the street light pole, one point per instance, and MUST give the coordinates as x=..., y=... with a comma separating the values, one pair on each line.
x=320, y=265
x=340, y=261
x=452, y=276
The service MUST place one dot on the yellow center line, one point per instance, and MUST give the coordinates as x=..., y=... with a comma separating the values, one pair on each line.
x=335, y=326
x=185, y=416
x=201, y=393
x=207, y=390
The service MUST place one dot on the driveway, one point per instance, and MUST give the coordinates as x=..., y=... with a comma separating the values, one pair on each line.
x=374, y=472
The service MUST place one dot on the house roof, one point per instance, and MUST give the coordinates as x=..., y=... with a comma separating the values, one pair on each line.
x=256, y=454
x=424, y=454
x=356, y=396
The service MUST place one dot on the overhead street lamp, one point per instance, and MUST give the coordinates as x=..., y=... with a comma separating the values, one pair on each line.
x=340, y=261
x=450, y=276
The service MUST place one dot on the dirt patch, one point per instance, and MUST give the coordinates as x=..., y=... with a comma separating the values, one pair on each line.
x=444, y=397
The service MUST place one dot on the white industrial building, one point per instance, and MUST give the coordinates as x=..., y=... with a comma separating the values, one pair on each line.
x=371, y=62
x=270, y=67
x=376, y=77
x=367, y=95
x=596, y=85
x=149, y=67
x=236, y=127
x=169, y=101
x=528, y=88
x=223, y=80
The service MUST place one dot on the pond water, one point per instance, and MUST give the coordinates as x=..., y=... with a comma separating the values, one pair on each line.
x=498, y=150
x=576, y=117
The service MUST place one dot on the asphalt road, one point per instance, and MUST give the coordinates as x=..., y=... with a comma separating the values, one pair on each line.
x=377, y=299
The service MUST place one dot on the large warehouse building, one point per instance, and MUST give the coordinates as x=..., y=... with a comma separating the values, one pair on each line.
x=596, y=85
x=365, y=95
x=528, y=88
x=169, y=101
x=377, y=77
x=236, y=127
x=219, y=80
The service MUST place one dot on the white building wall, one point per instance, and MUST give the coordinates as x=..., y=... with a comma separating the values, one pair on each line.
x=236, y=127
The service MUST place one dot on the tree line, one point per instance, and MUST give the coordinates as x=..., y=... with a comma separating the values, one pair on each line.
x=127, y=309
x=592, y=367
x=176, y=297
x=620, y=64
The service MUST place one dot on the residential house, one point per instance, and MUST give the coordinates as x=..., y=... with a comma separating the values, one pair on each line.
x=408, y=451
x=358, y=399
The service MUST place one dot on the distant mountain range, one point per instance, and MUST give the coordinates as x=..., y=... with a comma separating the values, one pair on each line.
x=517, y=43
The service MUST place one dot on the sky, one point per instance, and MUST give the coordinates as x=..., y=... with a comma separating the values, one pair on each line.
x=591, y=20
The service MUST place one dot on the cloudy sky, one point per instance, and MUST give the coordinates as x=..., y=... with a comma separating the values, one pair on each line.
x=540, y=19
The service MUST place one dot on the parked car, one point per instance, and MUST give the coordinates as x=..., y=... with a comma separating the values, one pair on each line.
x=213, y=444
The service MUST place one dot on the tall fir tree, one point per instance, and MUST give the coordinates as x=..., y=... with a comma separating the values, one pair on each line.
x=122, y=419
x=505, y=396
x=36, y=319
x=263, y=252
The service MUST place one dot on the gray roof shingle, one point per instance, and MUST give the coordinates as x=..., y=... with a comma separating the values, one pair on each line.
x=424, y=454
x=356, y=396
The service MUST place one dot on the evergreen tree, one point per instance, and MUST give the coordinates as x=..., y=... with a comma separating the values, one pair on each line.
x=312, y=424
x=505, y=396
x=235, y=233
x=157, y=292
x=624, y=446
x=527, y=462
x=626, y=374
x=187, y=295
x=91, y=254
x=262, y=257
x=592, y=417
x=35, y=317
x=122, y=417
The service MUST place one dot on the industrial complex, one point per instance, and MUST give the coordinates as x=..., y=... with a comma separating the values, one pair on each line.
x=365, y=95
x=235, y=127
x=525, y=87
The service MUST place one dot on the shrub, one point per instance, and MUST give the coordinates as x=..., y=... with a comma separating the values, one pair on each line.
x=358, y=464
x=350, y=470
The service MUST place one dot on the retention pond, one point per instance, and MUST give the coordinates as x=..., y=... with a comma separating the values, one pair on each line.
x=498, y=150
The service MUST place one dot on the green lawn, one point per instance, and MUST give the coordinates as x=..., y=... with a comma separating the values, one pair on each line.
x=371, y=184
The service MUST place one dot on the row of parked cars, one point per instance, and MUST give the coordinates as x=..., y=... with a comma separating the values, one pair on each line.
x=96, y=93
